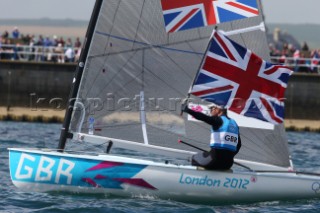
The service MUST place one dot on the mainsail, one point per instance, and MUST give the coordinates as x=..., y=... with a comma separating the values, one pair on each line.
x=136, y=74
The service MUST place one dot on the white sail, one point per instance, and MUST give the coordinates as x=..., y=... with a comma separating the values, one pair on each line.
x=131, y=52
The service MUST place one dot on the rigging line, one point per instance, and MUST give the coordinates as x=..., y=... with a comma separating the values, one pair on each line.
x=164, y=52
x=118, y=125
x=172, y=133
x=152, y=46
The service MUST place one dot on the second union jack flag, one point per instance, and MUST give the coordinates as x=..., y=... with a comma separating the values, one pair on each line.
x=188, y=14
x=235, y=77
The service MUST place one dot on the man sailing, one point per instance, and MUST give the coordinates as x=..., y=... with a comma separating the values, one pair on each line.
x=225, y=139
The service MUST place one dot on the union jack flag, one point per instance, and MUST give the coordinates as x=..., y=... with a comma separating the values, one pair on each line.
x=187, y=14
x=236, y=78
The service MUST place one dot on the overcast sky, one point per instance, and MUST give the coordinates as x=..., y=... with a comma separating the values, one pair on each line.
x=276, y=11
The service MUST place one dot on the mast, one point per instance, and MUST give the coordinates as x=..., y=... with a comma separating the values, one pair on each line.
x=64, y=135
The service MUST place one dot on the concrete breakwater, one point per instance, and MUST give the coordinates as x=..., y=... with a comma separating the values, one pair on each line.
x=35, y=85
x=46, y=86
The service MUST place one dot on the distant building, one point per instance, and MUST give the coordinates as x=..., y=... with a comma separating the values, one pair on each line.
x=279, y=39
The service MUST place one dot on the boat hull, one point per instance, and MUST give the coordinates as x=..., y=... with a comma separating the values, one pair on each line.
x=48, y=171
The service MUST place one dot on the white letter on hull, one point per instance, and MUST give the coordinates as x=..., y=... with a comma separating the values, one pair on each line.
x=65, y=172
x=27, y=168
x=47, y=170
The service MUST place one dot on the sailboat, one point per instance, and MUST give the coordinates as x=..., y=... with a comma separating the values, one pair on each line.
x=121, y=129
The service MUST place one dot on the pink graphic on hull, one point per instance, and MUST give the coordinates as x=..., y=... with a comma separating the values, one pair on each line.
x=90, y=182
x=105, y=165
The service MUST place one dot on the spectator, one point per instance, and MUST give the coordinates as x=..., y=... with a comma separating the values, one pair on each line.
x=5, y=35
x=61, y=41
x=78, y=53
x=15, y=33
x=296, y=57
x=302, y=64
x=69, y=54
x=77, y=45
x=47, y=42
x=69, y=42
x=31, y=56
x=55, y=40
x=58, y=52
x=8, y=50
x=305, y=50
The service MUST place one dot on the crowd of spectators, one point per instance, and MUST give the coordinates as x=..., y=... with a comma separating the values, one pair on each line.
x=300, y=60
x=17, y=46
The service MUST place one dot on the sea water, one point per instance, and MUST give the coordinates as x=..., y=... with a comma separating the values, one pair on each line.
x=304, y=148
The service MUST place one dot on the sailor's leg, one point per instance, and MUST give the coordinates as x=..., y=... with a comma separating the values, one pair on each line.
x=201, y=159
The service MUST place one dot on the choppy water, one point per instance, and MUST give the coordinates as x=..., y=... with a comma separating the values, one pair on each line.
x=305, y=149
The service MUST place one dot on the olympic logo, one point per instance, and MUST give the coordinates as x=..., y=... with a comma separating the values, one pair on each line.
x=316, y=187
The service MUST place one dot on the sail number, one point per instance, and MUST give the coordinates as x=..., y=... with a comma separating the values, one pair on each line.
x=44, y=169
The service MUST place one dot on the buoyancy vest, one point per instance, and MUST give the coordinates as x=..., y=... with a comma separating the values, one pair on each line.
x=226, y=137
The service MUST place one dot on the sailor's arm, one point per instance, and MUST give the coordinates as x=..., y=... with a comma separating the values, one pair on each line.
x=215, y=121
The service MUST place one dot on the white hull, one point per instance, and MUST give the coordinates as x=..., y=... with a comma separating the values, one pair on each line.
x=130, y=177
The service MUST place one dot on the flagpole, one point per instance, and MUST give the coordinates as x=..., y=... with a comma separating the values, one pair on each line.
x=202, y=61
x=261, y=27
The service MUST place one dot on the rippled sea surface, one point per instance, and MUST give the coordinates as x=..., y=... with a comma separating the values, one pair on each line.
x=304, y=148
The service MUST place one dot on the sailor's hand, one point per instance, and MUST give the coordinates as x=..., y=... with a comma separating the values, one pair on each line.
x=184, y=105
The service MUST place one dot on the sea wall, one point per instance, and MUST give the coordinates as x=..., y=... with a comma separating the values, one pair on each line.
x=32, y=84
x=47, y=85
x=303, y=97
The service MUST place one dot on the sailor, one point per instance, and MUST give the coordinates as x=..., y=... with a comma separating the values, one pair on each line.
x=225, y=139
